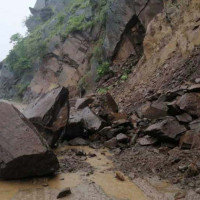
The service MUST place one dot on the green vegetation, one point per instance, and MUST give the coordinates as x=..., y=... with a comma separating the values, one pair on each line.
x=25, y=51
x=102, y=90
x=124, y=77
x=103, y=69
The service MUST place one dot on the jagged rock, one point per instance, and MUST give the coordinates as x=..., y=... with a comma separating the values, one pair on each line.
x=105, y=130
x=122, y=138
x=194, y=88
x=84, y=102
x=191, y=139
x=173, y=109
x=121, y=122
x=91, y=121
x=51, y=113
x=147, y=140
x=44, y=110
x=23, y=153
x=195, y=125
x=78, y=142
x=104, y=106
x=112, y=143
x=184, y=118
x=155, y=110
x=190, y=103
x=168, y=128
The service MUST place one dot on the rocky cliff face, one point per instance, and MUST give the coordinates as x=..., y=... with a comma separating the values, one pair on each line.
x=82, y=38
x=171, y=55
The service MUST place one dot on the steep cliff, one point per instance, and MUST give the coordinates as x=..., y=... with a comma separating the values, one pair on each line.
x=73, y=43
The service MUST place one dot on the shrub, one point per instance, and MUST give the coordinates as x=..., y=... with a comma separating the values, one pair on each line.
x=103, y=69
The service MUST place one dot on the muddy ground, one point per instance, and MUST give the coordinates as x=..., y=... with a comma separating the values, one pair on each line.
x=91, y=175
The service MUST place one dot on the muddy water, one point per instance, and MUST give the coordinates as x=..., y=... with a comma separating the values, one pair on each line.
x=101, y=185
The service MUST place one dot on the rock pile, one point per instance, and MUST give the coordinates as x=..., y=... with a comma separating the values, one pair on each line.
x=172, y=117
x=95, y=119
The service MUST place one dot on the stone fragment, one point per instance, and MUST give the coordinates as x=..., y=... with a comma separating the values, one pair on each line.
x=190, y=102
x=83, y=102
x=190, y=140
x=168, y=128
x=120, y=176
x=122, y=138
x=112, y=143
x=184, y=118
x=65, y=192
x=155, y=110
x=78, y=142
x=147, y=141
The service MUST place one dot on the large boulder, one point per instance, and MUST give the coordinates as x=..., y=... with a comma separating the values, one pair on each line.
x=168, y=128
x=23, y=153
x=50, y=113
x=154, y=110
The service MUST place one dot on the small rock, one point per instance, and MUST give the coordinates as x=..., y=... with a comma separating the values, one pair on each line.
x=192, y=170
x=92, y=155
x=197, y=80
x=184, y=118
x=182, y=168
x=120, y=176
x=179, y=195
x=45, y=185
x=78, y=142
x=147, y=140
x=65, y=192
x=122, y=138
x=112, y=143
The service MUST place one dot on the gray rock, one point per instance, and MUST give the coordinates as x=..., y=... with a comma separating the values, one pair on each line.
x=147, y=141
x=65, y=192
x=122, y=138
x=78, y=142
x=168, y=128
x=190, y=102
x=83, y=102
x=184, y=118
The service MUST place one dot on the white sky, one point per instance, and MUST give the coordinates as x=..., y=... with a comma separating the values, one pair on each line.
x=12, y=15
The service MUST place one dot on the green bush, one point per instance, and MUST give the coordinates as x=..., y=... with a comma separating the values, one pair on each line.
x=25, y=51
x=103, y=69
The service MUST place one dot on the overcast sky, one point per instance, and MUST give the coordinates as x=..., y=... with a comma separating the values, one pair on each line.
x=12, y=15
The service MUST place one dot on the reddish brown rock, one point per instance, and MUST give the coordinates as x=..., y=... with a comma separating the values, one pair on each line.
x=50, y=113
x=190, y=103
x=190, y=140
x=112, y=143
x=155, y=110
x=168, y=128
x=23, y=153
x=47, y=108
